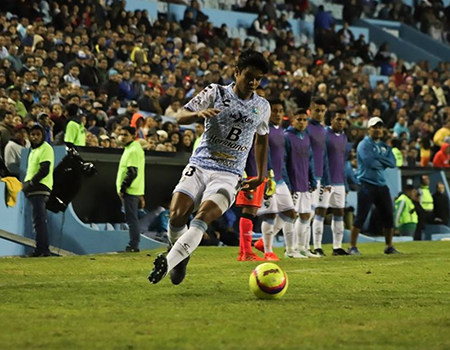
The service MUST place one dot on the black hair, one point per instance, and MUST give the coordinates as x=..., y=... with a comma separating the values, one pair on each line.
x=275, y=101
x=72, y=109
x=396, y=143
x=340, y=111
x=251, y=58
x=408, y=188
x=319, y=101
x=130, y=129
x=301, y=111
x=14, y=88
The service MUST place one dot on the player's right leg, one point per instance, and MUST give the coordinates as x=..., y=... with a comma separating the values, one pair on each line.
x=186, y=194
x=302, y=202
x=319, y=218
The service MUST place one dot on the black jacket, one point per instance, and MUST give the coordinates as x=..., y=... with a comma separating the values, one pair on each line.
x=441, y=207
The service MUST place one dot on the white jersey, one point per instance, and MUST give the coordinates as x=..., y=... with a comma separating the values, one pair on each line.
x=227, y=139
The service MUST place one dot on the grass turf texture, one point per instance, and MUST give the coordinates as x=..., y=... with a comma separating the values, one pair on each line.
x=105, y=302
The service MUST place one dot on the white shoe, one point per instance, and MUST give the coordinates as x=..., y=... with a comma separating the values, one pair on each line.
x=294, y=255
x=308, y=253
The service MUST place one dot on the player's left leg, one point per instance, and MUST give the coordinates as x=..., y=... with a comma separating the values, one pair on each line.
x=218, y=197
x=337, y=203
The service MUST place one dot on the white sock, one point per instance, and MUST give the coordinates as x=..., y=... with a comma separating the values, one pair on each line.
x=175, y=232
x=279, y=224
x=267, y=232
x=302, y=227
x=318, y=231
x=289, y=236
x=186, y=244
x=337, y=226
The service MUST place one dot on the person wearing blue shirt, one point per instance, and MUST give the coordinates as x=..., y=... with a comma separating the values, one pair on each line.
x=374, y=156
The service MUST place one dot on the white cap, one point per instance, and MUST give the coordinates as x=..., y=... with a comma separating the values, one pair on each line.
x=374, y=121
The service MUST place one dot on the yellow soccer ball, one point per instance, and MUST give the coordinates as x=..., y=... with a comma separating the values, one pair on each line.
x=268, y=281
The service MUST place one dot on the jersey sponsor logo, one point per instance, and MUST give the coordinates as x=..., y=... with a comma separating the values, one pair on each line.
x=240, y=118
x=223, y=155
x=229, y=144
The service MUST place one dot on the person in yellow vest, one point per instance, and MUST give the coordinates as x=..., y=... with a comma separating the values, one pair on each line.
x=37, y=186
x=75, y=134
x=405, y=215
x=397, y=153
x=130, y=183
x=426, y=198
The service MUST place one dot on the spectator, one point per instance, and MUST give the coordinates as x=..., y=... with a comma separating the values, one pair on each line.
x=425, y=152
x=401, y=127
x=405, y=215
x=323, y=20
x=6, y=130
x=442, y=133
x=137, y=122
x=13, y=150
x=351, y=11
x=441, y=208
x=174, y=109
x=15, y=96
x=442, y=158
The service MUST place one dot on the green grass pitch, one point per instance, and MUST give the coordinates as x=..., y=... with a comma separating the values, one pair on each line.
x=106, y=302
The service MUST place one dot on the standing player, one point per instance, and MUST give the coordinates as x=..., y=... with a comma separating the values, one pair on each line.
x=250, y=202
x=336, y=145
x=281, y=201
x=232, y=115
x=300, y=171
x=316, y=132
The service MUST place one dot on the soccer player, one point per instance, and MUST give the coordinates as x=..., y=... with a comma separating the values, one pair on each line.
x=374, y=156
x=232, y=115
x=336, y=145
x=300, y=171
x=316, y=132
x=280, y=202
x=250, y=202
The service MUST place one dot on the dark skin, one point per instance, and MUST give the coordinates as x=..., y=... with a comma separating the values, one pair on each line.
x=338, y=125
x=126, y=139
x=375, y=133
x=182, y=205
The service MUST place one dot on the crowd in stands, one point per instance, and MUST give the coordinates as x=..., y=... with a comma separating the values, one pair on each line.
x=121, y=68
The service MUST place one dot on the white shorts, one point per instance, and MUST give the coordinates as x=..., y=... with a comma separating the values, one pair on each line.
x=315, y=196
x=332, y=199
x=302, y=202
x=280, y=202
x=200, y=184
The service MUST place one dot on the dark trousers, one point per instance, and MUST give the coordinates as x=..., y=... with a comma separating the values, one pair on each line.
x=39, y=213
x=370, y=194
x=131, y=204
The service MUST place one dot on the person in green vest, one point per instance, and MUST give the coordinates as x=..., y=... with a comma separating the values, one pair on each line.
x=405, y=215
x=75, y=134
x=199, y=130
x=426, y=198
x=37, y=186
x=397, y=153
x=130, y=183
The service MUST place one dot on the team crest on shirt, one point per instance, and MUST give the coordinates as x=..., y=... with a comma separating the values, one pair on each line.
x=256, y=110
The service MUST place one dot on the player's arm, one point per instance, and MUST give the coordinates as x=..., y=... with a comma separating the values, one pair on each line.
x=201, y=106
x=311, y=173
x=261, y=148
x=187, y=117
